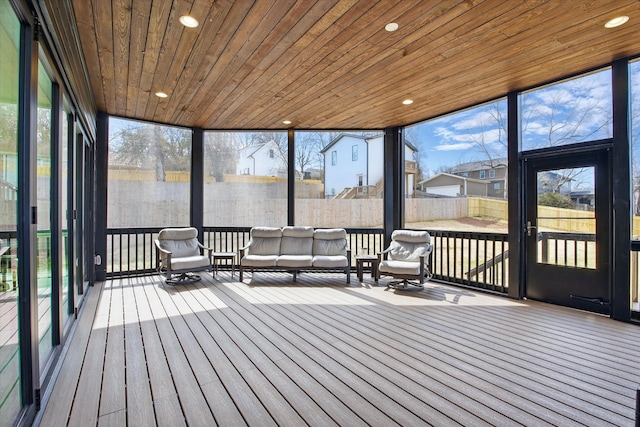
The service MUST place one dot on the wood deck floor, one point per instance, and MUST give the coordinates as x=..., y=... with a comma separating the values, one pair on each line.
x=319, y=352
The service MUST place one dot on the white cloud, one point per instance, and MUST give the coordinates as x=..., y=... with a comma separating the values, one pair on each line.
x=454, y=147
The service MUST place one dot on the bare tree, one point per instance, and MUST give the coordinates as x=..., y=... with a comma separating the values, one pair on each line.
x=221, y=154
x=159, y=148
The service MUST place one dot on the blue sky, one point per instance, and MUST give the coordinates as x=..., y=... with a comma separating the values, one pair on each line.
x=572, y=111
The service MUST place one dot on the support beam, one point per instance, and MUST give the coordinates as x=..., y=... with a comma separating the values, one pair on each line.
x=291, y=177
x=196, y=214
x=393, y=196
x=621, y=191
x=102, y=169
x=515, y=201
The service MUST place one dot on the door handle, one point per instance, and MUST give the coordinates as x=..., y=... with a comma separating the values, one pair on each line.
x=529, y=228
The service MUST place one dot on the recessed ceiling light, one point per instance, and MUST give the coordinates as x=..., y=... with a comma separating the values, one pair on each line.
x=286, y=122
x=161, y=95
x=616, y=22
x=391, y=27
x=189, y=21
x=407, y=101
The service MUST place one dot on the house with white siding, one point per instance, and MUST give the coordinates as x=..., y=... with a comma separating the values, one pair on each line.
x=353, y=167
x=266, y=159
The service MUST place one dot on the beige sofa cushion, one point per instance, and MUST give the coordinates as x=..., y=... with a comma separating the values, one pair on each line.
x=259, y=260
x=330, y=261
x=297, y=241
x=294, y=261
x=330, y=241
x=265, y=241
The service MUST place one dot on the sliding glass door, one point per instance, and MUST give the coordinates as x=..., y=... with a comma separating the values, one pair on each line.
x=10, y=376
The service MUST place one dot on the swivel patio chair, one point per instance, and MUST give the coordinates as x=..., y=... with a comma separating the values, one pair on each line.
x=178, y=252
x=406, y=259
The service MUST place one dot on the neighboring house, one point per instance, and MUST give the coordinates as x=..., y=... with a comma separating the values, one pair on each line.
x=492, y=173
x=353, y=164
x=313, y=173
x=446, y=184
x=264, y=159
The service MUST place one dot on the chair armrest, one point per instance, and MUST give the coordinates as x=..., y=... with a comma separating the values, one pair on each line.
x=383, y=255
x=243, y=249
x=164, y=251
x=160, y=248
x=204, y=248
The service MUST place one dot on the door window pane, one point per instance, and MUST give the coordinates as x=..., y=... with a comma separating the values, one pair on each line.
x=9, y=342
x=566, y=225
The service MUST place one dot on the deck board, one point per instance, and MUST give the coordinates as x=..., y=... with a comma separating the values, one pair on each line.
x=318, y=352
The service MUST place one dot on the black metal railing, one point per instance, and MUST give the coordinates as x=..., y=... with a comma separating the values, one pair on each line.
x=478, y=260
x=567, y=249
x=8, y=264
x=131, y=251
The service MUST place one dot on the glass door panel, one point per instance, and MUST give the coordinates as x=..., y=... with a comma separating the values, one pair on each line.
x=43, y=244
x=566, y=217
x=67, y=305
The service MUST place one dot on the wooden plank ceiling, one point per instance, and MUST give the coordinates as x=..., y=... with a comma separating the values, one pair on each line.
x=330, y=64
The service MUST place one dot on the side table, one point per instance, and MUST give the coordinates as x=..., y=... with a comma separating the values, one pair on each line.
x=372, y=260
x=227, y=256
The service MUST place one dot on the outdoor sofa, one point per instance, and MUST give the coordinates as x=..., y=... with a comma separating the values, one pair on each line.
x=296, y=249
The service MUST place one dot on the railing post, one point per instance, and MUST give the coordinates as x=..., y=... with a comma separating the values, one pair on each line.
x=638, y=406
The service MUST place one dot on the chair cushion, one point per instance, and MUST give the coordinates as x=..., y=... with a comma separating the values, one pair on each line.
x=329, y=261
x=259, y=260
x=411, y=236
x=297, y=241
x=181, y=242
x=190, y=262
x=330, y=241
x=294, y=261
x=399, y=267
x=408, y=245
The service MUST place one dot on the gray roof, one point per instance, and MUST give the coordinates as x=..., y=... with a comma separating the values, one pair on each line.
x=480, y=165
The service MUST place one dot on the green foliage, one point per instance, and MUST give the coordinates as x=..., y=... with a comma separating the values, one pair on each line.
x=555, y=200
